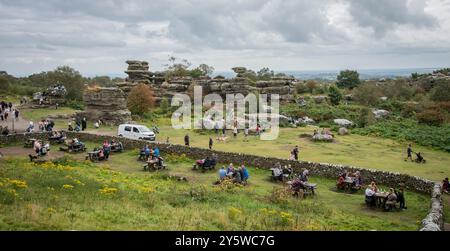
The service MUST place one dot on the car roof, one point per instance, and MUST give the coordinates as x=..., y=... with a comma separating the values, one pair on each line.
x=132, y=125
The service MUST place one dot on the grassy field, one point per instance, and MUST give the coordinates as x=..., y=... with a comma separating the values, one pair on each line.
x=77, y=195
x=362, y=151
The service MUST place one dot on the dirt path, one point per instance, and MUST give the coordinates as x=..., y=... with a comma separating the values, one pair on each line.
x=20, y=124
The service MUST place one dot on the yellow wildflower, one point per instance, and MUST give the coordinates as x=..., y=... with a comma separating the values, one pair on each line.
x=66, y=186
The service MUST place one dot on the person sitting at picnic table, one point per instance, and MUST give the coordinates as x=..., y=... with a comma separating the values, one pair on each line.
x=304, y=175
x=297, y=185
x=391, y=199
x=401, y=198
x=374, y=186
x=237, y=176
x=222, y=173
x=106, y=148
x=357, y=182
x=230, y=170
x=445, y=185
x=37, y=146
x=340, y=184
x=370, y=196
x=244, y=173
x=288, y=171
x=147, y=151
x=156, y=152
x=277, y=172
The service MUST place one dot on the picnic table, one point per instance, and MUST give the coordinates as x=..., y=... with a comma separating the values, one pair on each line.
x=152, y=165
x=348, y=183
x=310, y=186
x=380, y=199
x=30, y=143
x=93, y=156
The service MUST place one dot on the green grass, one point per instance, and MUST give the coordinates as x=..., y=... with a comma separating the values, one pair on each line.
x=358, y=150
x=38, y=114
x=153, y=201
x=362, y=151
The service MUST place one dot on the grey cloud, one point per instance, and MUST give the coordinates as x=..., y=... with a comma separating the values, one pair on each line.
x=385, y=15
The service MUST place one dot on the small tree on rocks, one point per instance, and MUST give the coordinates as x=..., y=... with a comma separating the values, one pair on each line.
x=140, y=99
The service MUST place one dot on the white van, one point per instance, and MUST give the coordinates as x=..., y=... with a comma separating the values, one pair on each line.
x=131, y=131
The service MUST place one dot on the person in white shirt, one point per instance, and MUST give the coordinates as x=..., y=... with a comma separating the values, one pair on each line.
x=370, y=196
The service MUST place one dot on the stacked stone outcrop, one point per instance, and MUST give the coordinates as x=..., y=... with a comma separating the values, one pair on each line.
x=107, y=104
x=138, y=72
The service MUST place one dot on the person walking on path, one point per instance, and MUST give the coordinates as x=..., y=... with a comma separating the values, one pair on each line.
x=186, y=140
x=83, y=124
x=409, y=152
x=210, y=143
x=295, y=152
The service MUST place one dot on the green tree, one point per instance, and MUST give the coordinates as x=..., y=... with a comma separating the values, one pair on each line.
x=335, y=95
x=365, y=117
x=348, y=79
x=70, y=78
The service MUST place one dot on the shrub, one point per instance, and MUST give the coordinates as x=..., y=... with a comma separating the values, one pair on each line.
x=140, y=99
x=431, y=117
x=367, y=94
x=335, y=95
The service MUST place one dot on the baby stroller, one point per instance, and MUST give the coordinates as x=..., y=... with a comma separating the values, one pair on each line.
x=419, y=158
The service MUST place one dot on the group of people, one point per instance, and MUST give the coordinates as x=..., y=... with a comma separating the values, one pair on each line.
x=80, y=124
x=282, y=173
x=46, y=125
x=206, y=163
x=59, y=137
x=353, y=181
x=393, y=197
x=40, y=148
x=6, y=110
x=4, y=130
x=237, y=175
x=153, y=156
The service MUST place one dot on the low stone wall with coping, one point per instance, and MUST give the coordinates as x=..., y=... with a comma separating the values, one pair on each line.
x=433, y=221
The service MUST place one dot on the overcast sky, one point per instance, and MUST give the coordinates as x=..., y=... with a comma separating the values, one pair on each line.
x=96, y=37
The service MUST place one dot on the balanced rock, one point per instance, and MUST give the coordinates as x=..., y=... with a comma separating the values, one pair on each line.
x=107, y=104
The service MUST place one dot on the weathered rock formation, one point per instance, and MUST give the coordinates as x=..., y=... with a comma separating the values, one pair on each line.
x=107, y=104
x=138, y=72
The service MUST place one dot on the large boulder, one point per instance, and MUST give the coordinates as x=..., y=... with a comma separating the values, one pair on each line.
x=320, y=99
x=343, y=122
x=343, y=131
x=380, y=113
